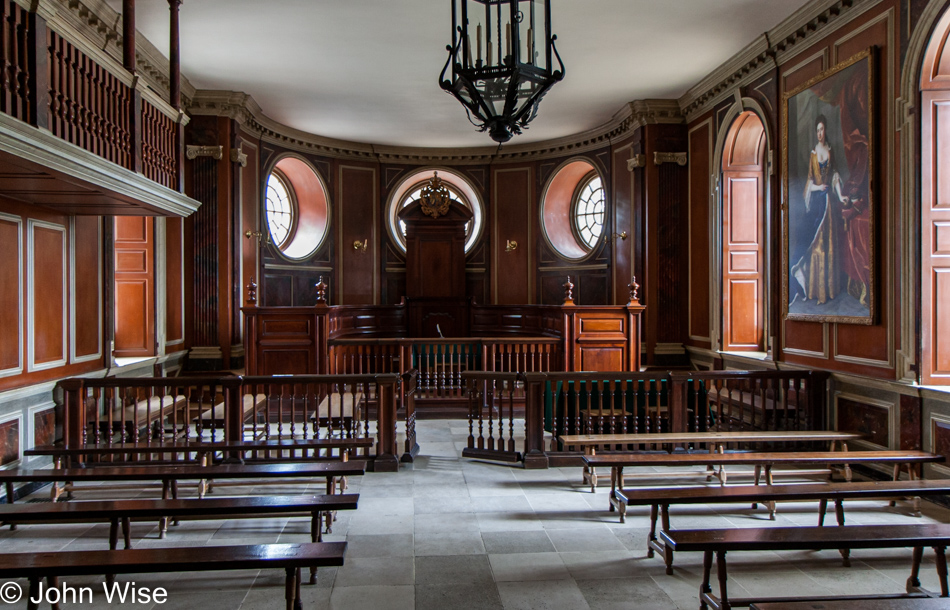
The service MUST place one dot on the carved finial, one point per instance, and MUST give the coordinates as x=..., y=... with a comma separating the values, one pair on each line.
x=568, y=292
x=252, y=292
x=634, y=288
x=321, y=292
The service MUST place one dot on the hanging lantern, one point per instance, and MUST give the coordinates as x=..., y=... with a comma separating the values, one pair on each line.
x=501, y=58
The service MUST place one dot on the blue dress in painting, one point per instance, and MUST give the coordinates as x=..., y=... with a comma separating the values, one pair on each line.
x=815, y=269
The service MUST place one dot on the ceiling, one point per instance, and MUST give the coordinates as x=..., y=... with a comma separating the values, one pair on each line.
x=367, y=70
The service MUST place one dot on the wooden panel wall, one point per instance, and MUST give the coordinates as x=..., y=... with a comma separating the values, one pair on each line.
x=251, y=210
x=514, y=217
x=866, y=350
x=700, y=160
x=621, y=203
x=174, y=289
x=358, y=209
x=50, y=295
x=134, y=286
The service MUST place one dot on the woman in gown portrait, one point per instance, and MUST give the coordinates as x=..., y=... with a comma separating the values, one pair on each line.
x=816, y=274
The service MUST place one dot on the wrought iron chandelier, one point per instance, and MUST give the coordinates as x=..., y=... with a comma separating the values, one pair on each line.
x=501, y=57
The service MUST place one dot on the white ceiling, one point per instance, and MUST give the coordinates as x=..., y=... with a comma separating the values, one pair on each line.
x=367, y=70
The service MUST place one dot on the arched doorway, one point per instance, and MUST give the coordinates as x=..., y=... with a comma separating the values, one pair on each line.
x=935, y=207
x=743, y=235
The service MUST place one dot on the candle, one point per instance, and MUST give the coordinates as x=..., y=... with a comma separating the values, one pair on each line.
x=488, y=48
x=529, y=47
x=478, y=42
x=508, y=38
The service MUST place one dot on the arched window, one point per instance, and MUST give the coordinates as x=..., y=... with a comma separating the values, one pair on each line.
x=588, y=211
x=935, y=209
x=743, y=235
x=296, y=209
x=279, y=209
x=574, y=210
x=409, y=190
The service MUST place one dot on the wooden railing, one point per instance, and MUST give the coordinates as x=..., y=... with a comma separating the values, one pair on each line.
x=159, y=147
x=643, y=403
x=441, y=363
x=183, y=411
x=88, y=105
x=15, y=38
x=491, y=422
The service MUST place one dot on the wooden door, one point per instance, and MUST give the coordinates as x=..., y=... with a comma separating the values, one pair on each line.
x=743, y=228
x=134, y=287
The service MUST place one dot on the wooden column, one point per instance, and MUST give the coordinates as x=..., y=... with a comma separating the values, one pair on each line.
x=128, y=35
x=174, y=56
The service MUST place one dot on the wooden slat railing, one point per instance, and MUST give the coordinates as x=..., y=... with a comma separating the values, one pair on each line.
x=159, y=147
x=14, y=61
x=491, y=422
x=88, y=105
x=187, y=410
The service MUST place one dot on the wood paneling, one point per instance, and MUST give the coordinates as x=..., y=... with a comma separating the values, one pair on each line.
x=134, y=286
x=47, y=317
x=935, y=253
x=358, y=208
x=870, y=420
x=911, y=431
x=9, y=441
x=45, y=431
x=11, y=295
x=941, y=437
x=87, y=299
x=513, y=213
x=700, y=143
x=622, y=190
x=174, y=283
x=250, y=216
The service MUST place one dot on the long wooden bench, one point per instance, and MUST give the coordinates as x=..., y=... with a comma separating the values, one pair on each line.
x=660, y=500
x=289, y=557
x=122, y=512
x=716, y=441
x=763, y=462
x=719, y=542
x=170, y=475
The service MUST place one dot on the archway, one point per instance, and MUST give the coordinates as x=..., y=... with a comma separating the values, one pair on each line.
x=743, y=235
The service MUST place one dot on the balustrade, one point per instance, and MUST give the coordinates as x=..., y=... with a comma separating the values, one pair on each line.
x=15, y=36
x=159, y=147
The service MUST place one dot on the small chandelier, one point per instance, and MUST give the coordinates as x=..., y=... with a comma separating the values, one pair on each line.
x=501, y=56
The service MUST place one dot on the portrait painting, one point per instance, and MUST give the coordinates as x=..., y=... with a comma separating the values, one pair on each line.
x=828, y=266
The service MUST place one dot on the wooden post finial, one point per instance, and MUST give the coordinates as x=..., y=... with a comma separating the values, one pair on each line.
x=252, y=292
x=568, y=292
x=321, y=292
x=634, y=288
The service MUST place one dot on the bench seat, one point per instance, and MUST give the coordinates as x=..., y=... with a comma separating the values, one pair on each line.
x=661, y=499
x=289, y=557
x=719, y=542
x=869, y=603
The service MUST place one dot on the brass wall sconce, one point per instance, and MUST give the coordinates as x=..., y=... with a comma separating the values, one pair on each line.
x=510, y=245
x=360, y=246
x=249, y=234
x=622, y=236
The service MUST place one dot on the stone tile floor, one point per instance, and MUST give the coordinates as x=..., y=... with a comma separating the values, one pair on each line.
x=448, y=532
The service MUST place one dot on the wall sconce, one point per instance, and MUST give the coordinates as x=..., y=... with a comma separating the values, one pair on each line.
x=360, y=246
x=249, y=234
x=622, y=236
x=510, y=245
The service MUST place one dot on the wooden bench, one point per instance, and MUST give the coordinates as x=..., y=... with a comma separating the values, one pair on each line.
x=289, y=557
x=716, y=441
x=762, y=461
x=170, y=475
x=122, y=512
x=868, y=603
x=722, y=541
x=660, y=500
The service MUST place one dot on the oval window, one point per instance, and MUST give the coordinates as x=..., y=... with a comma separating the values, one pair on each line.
x=296, y=209
x=409, y=191
x=573, y=210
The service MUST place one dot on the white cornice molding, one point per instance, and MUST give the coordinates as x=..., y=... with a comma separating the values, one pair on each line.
x=43, y=148
x=764, y=53
x=242, y=108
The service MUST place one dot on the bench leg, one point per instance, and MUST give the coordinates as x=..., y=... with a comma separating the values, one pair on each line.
x=942, y=570
x=705, y=587
x=163, y=521
x=665, y=527
x=290, y=588
x=651, y=537
x=913, y=581
x=113, y=533
x=127, y=532
x=316, y=535
x=721, y=574
x=33, y=593
x=52, y=582
x=822, y=509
